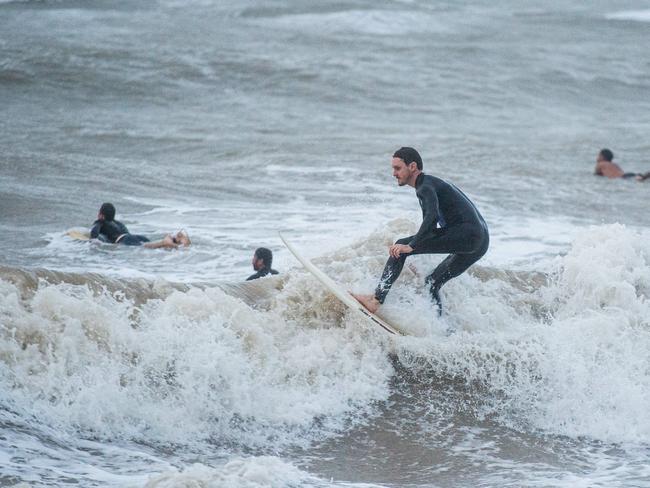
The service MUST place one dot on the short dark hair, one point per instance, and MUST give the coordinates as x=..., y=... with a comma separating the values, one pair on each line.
x=265, y=255
x=108, y=211
x=409, y=155
x=607, y=154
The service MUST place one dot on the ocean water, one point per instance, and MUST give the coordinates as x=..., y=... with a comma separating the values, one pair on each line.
x=236, y=120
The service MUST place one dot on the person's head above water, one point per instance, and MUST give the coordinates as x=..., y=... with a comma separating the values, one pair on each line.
x=409, y=155
x=263, y=258
x=106, y=212
x=407, y=165
x=605, y=155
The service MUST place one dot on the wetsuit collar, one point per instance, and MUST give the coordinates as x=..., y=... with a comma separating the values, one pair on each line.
x=419, y=180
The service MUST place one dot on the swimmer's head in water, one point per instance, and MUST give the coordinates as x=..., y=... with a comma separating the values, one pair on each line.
x=409, y=155
x=263, y=258
x=108, y=211
x=605, y=155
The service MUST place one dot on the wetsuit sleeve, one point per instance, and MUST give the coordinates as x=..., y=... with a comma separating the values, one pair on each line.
x=430, y=214
x=253, y=276
x=95, y=229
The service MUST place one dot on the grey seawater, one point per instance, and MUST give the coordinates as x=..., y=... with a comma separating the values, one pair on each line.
x=235, y=120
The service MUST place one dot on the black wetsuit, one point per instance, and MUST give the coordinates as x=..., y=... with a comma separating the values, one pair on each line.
x=111, y=230
x=262, y=272
x=462, y=233
x=641, y=176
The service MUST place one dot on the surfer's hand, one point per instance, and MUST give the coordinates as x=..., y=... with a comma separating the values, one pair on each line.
x=396, y=249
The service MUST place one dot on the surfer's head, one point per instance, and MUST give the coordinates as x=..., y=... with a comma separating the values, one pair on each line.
x=107, y=212
x=263, y=258
x=605, y=155
x=409, y=155
x=407, y=165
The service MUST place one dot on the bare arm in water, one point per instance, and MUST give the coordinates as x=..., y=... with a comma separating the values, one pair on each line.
x=170, y=241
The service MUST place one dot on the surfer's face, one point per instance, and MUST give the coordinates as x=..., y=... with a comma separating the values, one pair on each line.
x=257, y=263
x=402, y=171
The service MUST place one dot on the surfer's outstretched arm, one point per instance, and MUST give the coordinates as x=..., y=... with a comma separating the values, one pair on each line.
x=170, y=241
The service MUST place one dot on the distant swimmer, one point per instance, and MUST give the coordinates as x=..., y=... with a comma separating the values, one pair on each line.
x=262, y=261
x=107, y=229
x=605, y=166
x=450, y=224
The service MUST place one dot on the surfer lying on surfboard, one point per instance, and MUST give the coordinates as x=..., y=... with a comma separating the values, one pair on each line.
x=107, y=229
x=450, y=224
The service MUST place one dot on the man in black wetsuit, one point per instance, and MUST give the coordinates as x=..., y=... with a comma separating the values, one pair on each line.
x=107, y=229
x=450, y=224
x=262, y=261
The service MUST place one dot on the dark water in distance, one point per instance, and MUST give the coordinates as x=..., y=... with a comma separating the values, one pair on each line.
x=235, y=120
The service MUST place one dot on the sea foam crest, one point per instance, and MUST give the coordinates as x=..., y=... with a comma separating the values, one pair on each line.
x=196, y=365
x=571, y=356
x=255, y=472
x=566, y=351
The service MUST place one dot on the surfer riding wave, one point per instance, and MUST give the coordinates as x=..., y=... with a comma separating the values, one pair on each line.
x=451, y=223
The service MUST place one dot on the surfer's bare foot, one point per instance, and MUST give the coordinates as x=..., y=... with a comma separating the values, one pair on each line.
x=370, y=302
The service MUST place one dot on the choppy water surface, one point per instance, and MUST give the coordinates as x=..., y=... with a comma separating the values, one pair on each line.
x=132, y=367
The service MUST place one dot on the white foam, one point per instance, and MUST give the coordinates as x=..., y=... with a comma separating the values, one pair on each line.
x=251, y=472
x=372, y=22
x=634, y=15
x=194, y=366
x=570, y=358
x=256, y=472
x=567, y=355
x=204, y=355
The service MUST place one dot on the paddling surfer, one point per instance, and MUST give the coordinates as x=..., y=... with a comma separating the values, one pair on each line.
x=450, y=224
x=605, y=166
x=107, y=229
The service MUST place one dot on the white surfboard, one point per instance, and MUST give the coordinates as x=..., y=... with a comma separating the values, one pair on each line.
x=336, y=290
x=78, y=235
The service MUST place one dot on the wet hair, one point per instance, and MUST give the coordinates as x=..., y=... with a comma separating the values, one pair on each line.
x=409, y=155
x=108, y=210
x=265, y=255
x=607, y=155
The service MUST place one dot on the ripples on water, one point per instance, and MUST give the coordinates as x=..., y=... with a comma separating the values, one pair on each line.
x=236, y=121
